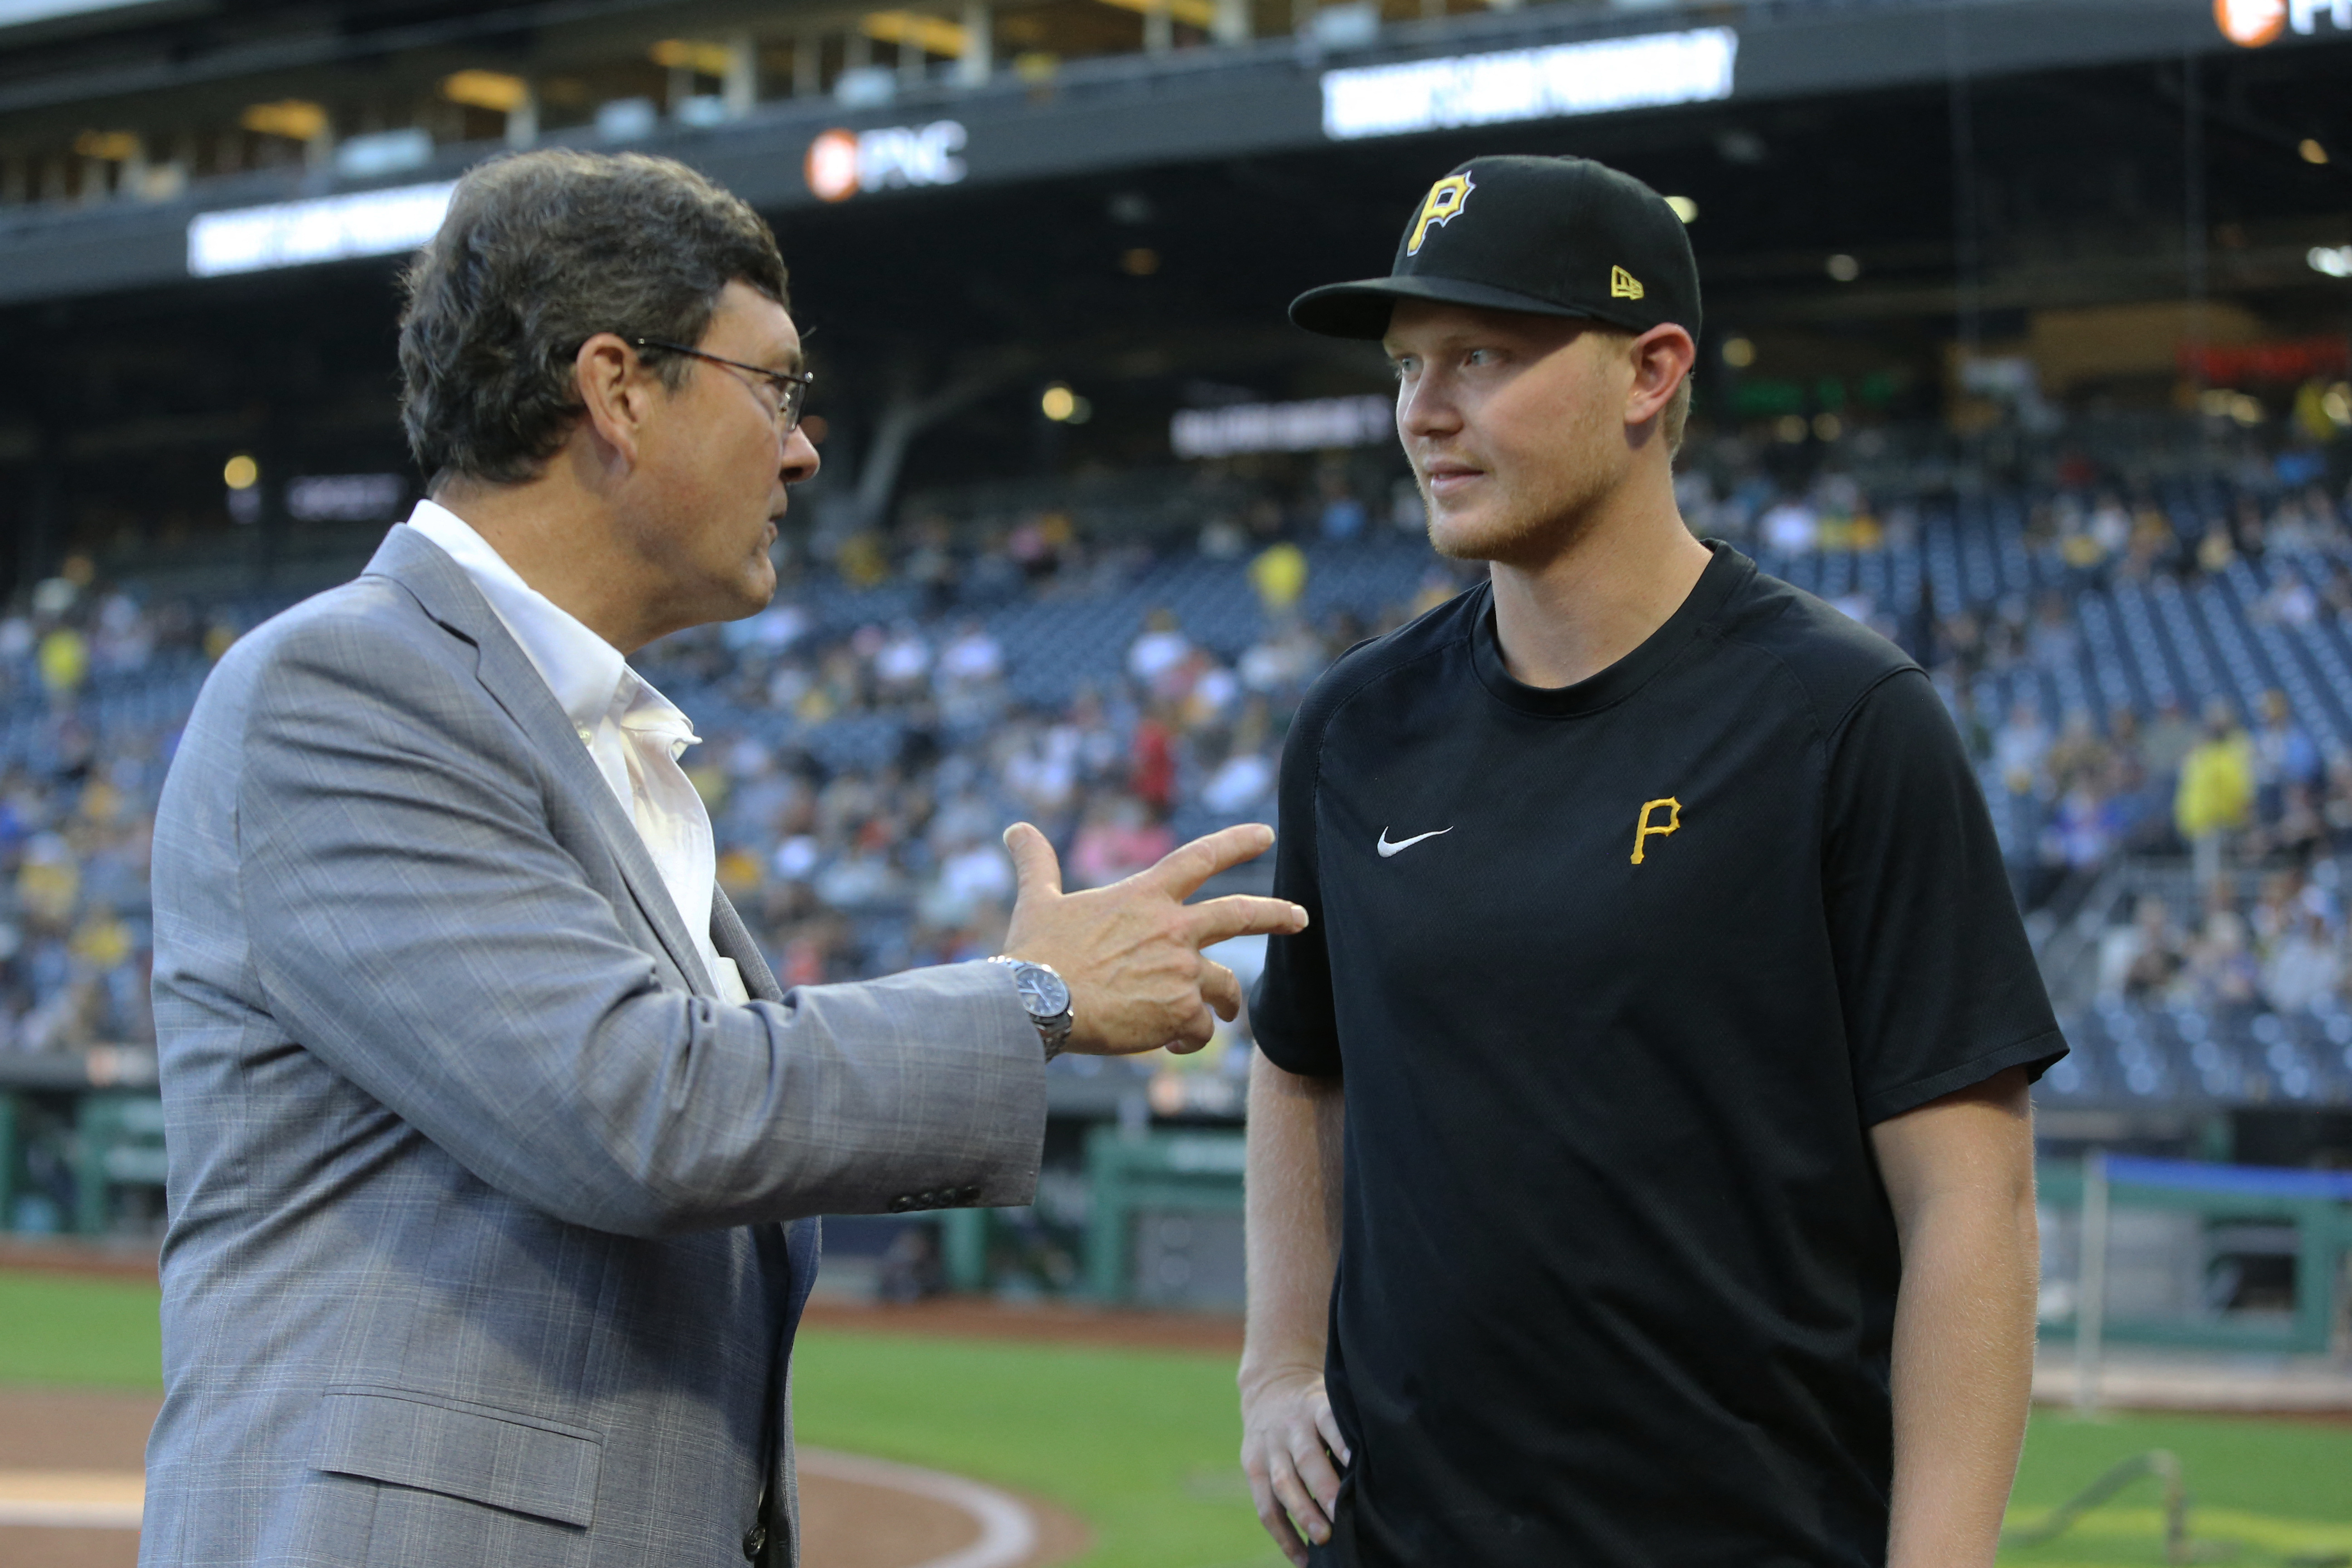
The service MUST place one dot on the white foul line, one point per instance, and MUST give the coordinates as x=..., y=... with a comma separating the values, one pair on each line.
x=1008, y=1531
x=71, y=1499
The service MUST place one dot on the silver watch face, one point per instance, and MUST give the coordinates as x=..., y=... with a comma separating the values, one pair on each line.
x=1042, y=991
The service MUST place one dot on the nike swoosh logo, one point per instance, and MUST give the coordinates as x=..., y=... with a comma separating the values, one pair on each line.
x=1388, y=848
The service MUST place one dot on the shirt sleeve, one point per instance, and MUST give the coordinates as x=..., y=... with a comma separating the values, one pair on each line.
x=1291, y=1012
x=1938, y=982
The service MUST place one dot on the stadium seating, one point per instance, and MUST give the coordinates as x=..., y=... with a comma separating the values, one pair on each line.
x=843, y=792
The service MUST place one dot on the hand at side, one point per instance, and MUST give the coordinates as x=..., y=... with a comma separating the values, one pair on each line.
x=1289, y=1439
x=1130, y=952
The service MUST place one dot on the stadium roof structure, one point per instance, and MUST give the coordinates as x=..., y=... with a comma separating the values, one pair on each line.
x=905, y=134
x=970, y=216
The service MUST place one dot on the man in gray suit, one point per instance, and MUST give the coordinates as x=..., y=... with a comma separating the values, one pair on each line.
x=493, y=1141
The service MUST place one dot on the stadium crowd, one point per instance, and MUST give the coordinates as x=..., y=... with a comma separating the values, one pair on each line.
x=866, y=739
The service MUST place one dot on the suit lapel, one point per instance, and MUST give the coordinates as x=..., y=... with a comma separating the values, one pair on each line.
x=506, y=672
x=733, y=940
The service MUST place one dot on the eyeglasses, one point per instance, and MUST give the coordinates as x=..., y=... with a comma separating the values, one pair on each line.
x=789, y=387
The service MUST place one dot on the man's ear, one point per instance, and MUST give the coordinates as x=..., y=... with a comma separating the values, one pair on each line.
x=616, y=393
x=1662, y=357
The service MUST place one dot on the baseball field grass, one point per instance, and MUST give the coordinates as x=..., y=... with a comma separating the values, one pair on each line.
x=1141, y=1443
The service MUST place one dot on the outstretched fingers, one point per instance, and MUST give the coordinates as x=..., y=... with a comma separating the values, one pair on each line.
x=1182, y=870
x=1036, y=871
x=1243, y=914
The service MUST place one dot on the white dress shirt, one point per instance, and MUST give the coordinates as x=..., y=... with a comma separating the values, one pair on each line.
x=633, y=734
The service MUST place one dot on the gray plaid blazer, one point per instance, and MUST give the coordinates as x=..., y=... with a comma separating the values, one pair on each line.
x=489, y=1225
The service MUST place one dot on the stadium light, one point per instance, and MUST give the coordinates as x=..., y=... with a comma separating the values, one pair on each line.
x=1739, y=353
x=1842, y=267
x=2311, y=151
x=329, y=228
x=240, y=472
x=493, y=90
x=110, y=146
x=1058, y=403
x=687, y=54
x=2336, y=261
x=1200, y=13
x=296, y=118
x=1567, y=80
x=1684, y=208
x=932, y=35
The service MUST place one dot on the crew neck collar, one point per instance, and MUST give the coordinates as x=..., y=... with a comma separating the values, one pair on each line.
x=1723, y=575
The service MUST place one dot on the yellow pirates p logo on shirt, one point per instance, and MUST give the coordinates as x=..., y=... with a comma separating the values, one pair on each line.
x=1646, y=826
x=1445, y=199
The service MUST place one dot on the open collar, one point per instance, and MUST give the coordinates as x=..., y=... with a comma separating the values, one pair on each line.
x=448, y=594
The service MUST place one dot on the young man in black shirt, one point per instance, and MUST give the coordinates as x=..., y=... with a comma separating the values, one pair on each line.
x=1652, y=1072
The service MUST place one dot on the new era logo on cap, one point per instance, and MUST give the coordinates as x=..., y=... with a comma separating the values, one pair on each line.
x=1554, y=236
x=1438, y=207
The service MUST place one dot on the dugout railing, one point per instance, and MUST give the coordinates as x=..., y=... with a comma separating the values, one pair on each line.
x=1131, y=1172
x=2157, y=1252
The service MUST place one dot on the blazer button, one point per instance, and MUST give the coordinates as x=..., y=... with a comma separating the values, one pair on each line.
x=901, y=1204
x=929, y=1200
x=755, y=1540
x=970, y=1194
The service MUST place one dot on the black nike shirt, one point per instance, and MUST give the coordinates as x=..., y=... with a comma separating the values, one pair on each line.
x=1618, y=977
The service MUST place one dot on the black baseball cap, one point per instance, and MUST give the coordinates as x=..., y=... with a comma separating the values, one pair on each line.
x=1554, y=236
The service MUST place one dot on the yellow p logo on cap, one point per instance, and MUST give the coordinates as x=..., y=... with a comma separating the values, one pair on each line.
x=1445, y=199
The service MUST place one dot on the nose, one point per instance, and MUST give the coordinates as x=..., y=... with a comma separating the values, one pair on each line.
x=800, y=461
x=1425, y=408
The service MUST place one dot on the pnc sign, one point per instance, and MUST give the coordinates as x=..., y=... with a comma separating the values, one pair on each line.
x=2251, y=23
x=840, y=163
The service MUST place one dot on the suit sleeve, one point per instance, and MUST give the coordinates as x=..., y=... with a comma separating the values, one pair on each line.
x=1938, y=982
x=414, y=922
x=1292, y=1014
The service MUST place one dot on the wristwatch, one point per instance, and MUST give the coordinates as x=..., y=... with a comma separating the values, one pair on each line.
x=1046, y=997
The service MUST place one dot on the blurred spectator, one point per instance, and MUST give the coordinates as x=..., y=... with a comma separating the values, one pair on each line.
x=2019, y=747
x=2216, y=795
x=2305, y=966
x=2284, y=758
x=1117, y=840
x=1279, y=575
x=863, y=754
x=65, y=661
x=2139, y=959
x=1158, y=650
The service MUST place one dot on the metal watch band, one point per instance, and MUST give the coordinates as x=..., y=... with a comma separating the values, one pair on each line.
x=1054, y=1030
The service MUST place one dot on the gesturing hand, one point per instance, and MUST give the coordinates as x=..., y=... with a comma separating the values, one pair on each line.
x=1289, y=1439
x=1130, y=952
